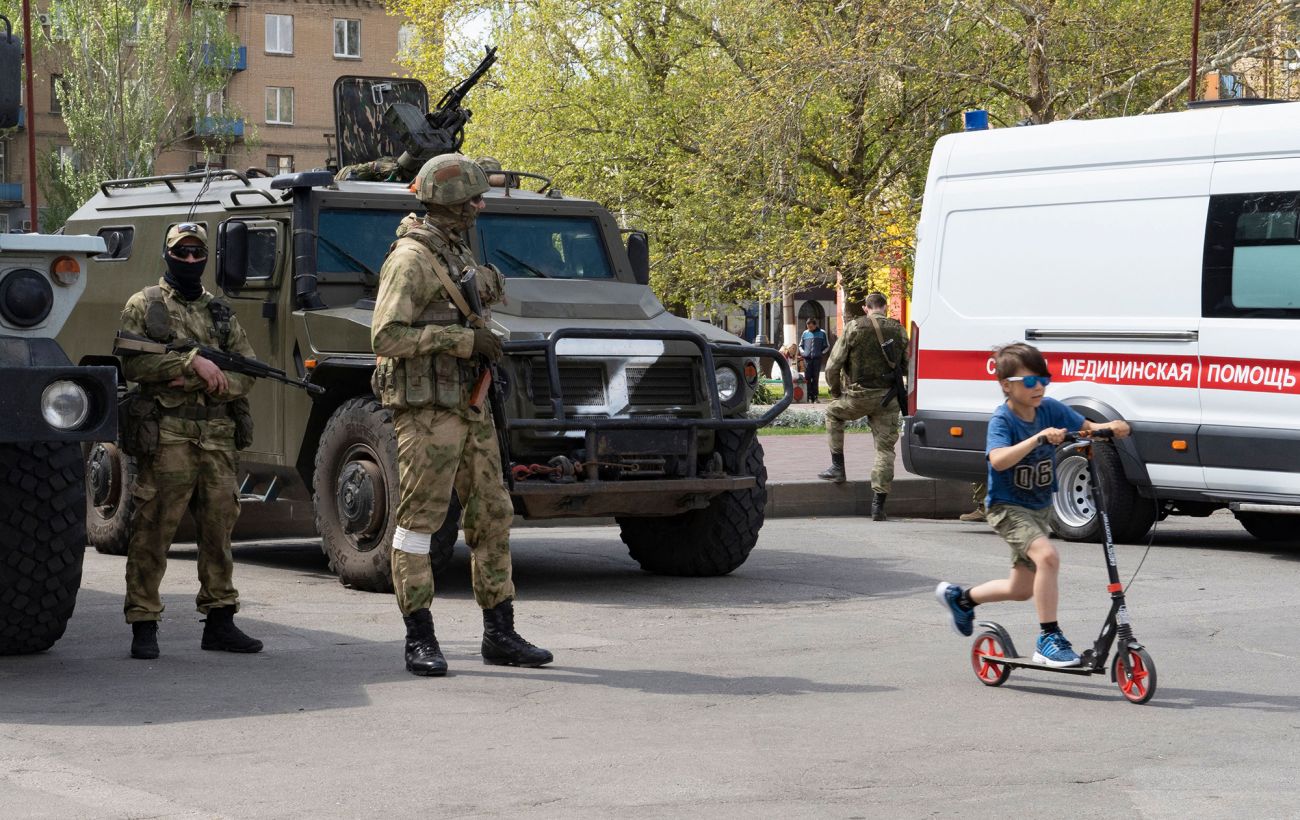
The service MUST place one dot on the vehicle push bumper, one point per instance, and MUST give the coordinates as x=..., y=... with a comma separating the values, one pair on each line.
x=44, y=397
x=609, y=436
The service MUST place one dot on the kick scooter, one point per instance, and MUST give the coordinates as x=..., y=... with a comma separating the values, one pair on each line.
x=993, y=655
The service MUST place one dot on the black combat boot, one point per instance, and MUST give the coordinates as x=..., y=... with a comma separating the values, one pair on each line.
x=144, y=640
x=502, y=645
x=221, y=634
x=835, y=472
x=878, y=507
x=423, y=657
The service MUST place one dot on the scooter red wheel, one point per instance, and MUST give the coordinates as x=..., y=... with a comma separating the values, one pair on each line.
x=988, y=645
x=1135, y=673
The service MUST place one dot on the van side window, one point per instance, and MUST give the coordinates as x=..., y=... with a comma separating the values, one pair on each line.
x=1252, y=256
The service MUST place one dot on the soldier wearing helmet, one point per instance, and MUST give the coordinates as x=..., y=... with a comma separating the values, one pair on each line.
x=426, y=363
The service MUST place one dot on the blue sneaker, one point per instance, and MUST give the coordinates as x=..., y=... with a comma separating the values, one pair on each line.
x=1054, y=650
x=961, y=618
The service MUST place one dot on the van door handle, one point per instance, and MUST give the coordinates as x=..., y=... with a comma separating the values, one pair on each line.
x=1035, y=334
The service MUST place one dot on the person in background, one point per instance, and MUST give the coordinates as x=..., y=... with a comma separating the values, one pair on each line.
x=813, y=345
x=977, y=493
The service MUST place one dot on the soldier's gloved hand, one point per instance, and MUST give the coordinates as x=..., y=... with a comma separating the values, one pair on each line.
x=487, y=344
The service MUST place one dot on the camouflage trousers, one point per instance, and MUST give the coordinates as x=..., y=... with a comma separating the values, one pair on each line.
x=176, y=478
x=439, y=451
x=885, y=422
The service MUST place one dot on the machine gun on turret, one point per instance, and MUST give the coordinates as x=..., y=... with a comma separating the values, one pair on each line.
x=368, y=143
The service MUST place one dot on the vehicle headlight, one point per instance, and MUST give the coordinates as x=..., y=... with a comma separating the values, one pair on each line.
x=728, y=382
x=25, y=298
x=65, y=405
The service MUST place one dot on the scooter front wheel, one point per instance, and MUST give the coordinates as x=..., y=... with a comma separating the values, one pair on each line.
x=1135, y=673
x=988, y=644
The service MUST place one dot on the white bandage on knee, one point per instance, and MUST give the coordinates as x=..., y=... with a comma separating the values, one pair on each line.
x=416, y=543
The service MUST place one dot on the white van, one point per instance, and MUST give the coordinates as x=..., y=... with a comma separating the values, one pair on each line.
x=1156, y=263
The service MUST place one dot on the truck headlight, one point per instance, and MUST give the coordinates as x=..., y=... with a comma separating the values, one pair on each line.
x=728, y=382
x=65, y=405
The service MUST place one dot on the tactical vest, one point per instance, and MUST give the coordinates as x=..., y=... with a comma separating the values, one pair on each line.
x=441, y=380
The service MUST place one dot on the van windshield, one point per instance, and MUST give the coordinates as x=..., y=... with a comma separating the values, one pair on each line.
x=550, y=247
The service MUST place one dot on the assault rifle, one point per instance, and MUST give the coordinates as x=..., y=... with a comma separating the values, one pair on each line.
x=129, y=344
x=897, y=389
x=441, y=131
x=488, y=385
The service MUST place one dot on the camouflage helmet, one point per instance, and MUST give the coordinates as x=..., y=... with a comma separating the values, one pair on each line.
x=449, y=179
x=489, y=164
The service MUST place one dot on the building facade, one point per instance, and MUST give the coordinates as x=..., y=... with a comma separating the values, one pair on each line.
x=277, y=106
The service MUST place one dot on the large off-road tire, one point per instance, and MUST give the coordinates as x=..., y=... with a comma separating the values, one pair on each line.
x=713, y=540
x=1284, y=529
x=1074, y=516
x=110, y=498
x=42, y=542
x=354, y=486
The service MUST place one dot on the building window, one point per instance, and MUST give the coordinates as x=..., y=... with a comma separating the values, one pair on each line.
x=279, y=106
x=408, y=38
x=56, y=86
x=215, y=103
x=4, y=161
x=279, y=34
x=204, y=159
x=347, y=39
x=69, y=158
x=279, y=163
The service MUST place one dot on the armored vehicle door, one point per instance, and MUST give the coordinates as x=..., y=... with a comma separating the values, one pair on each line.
x=256, y=302
x=359, y=104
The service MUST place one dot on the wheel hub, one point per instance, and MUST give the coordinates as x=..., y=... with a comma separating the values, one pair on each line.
x=1073, y=499
x=102, y=472
x=362, y=499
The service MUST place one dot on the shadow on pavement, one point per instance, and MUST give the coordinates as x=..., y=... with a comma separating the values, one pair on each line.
x=1167, y=698
x=671, y=682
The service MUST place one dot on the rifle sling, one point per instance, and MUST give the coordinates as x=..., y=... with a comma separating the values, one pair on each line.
x=422, y=238
x=880, y=339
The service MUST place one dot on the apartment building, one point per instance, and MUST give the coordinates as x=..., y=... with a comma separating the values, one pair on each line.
x=277, y=106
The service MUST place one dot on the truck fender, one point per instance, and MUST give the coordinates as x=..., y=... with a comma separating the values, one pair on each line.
x=1135, y=469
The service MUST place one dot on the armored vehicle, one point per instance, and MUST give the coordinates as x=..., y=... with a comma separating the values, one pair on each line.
x=609, y=404
x=48, y=408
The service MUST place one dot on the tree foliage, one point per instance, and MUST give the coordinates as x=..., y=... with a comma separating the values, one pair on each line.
x=135, y=75
x=785, y=143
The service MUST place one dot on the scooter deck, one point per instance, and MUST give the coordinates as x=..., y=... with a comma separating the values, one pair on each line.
x=1026, y=663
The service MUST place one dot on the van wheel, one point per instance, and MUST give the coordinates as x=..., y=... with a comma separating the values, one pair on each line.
x=710, y=541
x=110, y=498
x=1074, y=516
x=354, y=489
x=1271, y=526
x=42, y=542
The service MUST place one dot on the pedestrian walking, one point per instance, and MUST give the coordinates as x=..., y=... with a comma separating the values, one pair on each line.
x=427, y=360
x=862, y=377
x=187, y=425
x=980, y=513
x=813, y=346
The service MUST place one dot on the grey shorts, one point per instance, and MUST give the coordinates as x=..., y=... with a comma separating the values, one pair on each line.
x=1020, y=526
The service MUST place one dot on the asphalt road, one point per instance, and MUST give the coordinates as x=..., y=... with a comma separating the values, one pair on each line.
x=818, y=680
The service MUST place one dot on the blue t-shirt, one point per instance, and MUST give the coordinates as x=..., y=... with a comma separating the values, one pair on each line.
x=1031, y=482
x=812, y=344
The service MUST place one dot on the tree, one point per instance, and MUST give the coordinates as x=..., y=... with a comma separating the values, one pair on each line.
x=135, y=80
x=784, y=144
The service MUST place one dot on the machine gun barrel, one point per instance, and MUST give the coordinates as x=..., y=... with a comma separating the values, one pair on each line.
x=454, y=95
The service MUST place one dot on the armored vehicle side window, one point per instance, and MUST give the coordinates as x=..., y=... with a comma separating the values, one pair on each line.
x=363, y=235
x=1252, y=256
x=263, y=249
x=118, y=242
x=554, y=247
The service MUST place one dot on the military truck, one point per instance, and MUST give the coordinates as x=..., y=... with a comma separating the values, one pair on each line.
x=48, y=408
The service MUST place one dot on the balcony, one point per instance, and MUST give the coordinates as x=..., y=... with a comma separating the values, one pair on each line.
x=231, y=127
x=235, y=60
x=10, y=193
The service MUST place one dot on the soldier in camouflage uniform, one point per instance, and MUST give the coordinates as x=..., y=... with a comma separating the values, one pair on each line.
x=859, y=374
x=384, y=169
x=194, y=457
x=427, y=360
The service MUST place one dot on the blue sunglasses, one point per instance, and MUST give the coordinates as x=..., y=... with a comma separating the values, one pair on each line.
x=1031, y=381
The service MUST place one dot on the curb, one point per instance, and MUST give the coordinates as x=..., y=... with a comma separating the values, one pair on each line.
x=910, y=497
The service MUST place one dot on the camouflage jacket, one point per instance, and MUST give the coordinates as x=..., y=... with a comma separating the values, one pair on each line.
x=155, y=372
x=422, y=348
x=857, y=360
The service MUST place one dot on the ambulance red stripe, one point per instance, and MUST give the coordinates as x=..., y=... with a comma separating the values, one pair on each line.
x=1208, y=372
